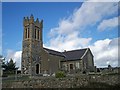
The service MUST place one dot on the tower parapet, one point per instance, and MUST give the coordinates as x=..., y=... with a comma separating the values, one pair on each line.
x=31, y=21
x=41, y=24
x=27, y=21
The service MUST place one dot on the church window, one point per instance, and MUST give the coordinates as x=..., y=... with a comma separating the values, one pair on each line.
x=38, y=34
x=77, y=65
x=65, y=66
x=28, y=33
x=71, y=66
x=35, y=33
x=25, y=33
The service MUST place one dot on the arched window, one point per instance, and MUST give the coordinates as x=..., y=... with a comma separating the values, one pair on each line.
x=38, y=34
x=35, y=33
x=26, y=33
x=37, y=68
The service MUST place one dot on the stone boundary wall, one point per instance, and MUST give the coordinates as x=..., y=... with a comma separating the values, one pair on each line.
x=67, y=82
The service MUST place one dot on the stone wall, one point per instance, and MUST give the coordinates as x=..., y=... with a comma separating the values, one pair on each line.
x=67, y=82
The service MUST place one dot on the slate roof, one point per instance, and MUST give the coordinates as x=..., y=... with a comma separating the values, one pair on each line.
x=53, y=52
x=68, y=55
x=74, y=54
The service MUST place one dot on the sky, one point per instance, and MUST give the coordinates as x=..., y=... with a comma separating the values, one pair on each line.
x=66, y=26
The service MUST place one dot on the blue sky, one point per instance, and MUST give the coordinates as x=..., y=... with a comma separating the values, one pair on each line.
x=13, y=14
x=66, y=26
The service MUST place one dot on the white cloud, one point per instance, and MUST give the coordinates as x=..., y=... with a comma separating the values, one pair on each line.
x=92, y=12
x=87, y=15
x=68, y=42
x=108, y=24
x=105, y=52
x=68, y=33
x=16, y=56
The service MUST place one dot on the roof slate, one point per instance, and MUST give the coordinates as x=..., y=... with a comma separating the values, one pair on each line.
x=74, y=54
x=68, y=55
x=53, y=52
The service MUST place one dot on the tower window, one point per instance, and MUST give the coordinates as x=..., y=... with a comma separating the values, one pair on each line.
x=38, y=34
x=35, y=33
x=28, y=33
x=25, y=33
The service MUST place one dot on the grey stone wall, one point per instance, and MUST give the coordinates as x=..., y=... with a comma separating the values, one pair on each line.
x=50, y=63
x=67, y=82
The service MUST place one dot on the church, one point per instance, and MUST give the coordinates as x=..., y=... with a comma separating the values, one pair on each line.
x=37, y=59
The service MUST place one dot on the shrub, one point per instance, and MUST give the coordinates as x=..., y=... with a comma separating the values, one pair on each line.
x=60, y=74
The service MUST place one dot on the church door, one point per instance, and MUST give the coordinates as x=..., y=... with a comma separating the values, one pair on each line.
x=37, y=69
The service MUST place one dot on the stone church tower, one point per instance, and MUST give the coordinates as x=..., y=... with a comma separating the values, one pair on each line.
x=32, y=45
x=37, y=60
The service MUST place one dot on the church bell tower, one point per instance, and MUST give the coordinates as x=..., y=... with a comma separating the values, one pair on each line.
x=32, y=45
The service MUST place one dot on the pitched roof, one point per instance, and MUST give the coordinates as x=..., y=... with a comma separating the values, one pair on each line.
x=53, y=52
x=75, y=54
x=69, y=55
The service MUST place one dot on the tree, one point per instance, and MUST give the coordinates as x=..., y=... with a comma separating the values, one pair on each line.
x=3, y=63
x=10, y=67
x=2, y=59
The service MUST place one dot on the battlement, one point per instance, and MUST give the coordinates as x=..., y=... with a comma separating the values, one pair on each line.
x=30, y=20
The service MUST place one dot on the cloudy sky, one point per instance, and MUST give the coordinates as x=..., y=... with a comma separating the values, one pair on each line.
x=67, y=26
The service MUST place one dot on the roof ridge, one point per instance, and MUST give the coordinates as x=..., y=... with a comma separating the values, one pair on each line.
x=52, y=50
x=55, y=52
x=76, y=50
x=85, y=53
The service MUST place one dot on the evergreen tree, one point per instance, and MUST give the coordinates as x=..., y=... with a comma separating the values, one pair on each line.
x=11, y=66
x=2, y=61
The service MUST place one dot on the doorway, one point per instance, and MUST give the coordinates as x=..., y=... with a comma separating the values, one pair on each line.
x=37, y=68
